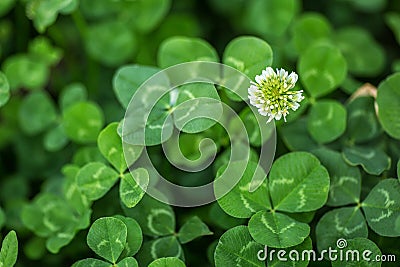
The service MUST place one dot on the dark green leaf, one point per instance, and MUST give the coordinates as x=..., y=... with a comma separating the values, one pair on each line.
x=192, y=229
x=382, y=207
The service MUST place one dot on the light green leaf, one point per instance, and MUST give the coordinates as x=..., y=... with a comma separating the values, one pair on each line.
x=362, y=122
x=345, y=183
x=52, y=217
x=196, y=105
x=71, y=190
x=102, y=45
x=44, y=13
x=175, y=50
x=277, y=230
x=22, y=71
x=134, y=237
x=72, y=94
x=107, y=237
x=327, y=121
x=9, y=250
x=249, y=61
x=40, y=49
x=4, y=89
x=130, y=190
x=159, y=219
x=340, y=223
x=309, y=29
x=240, y=202
x=237, y=247
x=167, y=262
x=95, y=179
x=322, y=68
x=167, y=246
x=83, y=121
x=382, y=207
x=388, y=101
x=356, y=259
x=128, y=262
x=128, y=79
x=37, y=112
x=298, y=183
x=110, y=145
x=270, y=18
x=373, y=160
x=55, y=139
x=89, y=262
x=192, y=229
x=364, y=56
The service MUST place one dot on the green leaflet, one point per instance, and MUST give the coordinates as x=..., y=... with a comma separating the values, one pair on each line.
x=167, y=246
x=107, y=237
x=160, y=219
x=37, y=113
x=249, y=61
x=382, y=207
x=388, y=101
x=298, y=182
x=131, y=191
x=192, y=229
x=277, y=230
x=372, y=160
x=128, y=79
x=166, y=262
x=196, y=100
x=310, y=28
x=9, y=250
x=177, y=50
x=327, y=121
x=345, y=186
x=110, y=145
x=83, y=121
x=360, y=245
x=322, y=68
x=236, y=246
x=240, y=202
x=340, y=223
x=95, y=179
x=101, y=45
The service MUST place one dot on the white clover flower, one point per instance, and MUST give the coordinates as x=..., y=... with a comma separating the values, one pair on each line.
x=271, y=93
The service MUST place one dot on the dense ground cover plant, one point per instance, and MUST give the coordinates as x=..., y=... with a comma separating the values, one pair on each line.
x=69, y=69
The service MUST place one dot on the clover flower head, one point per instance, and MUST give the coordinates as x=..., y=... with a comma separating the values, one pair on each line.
x=272, y=94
